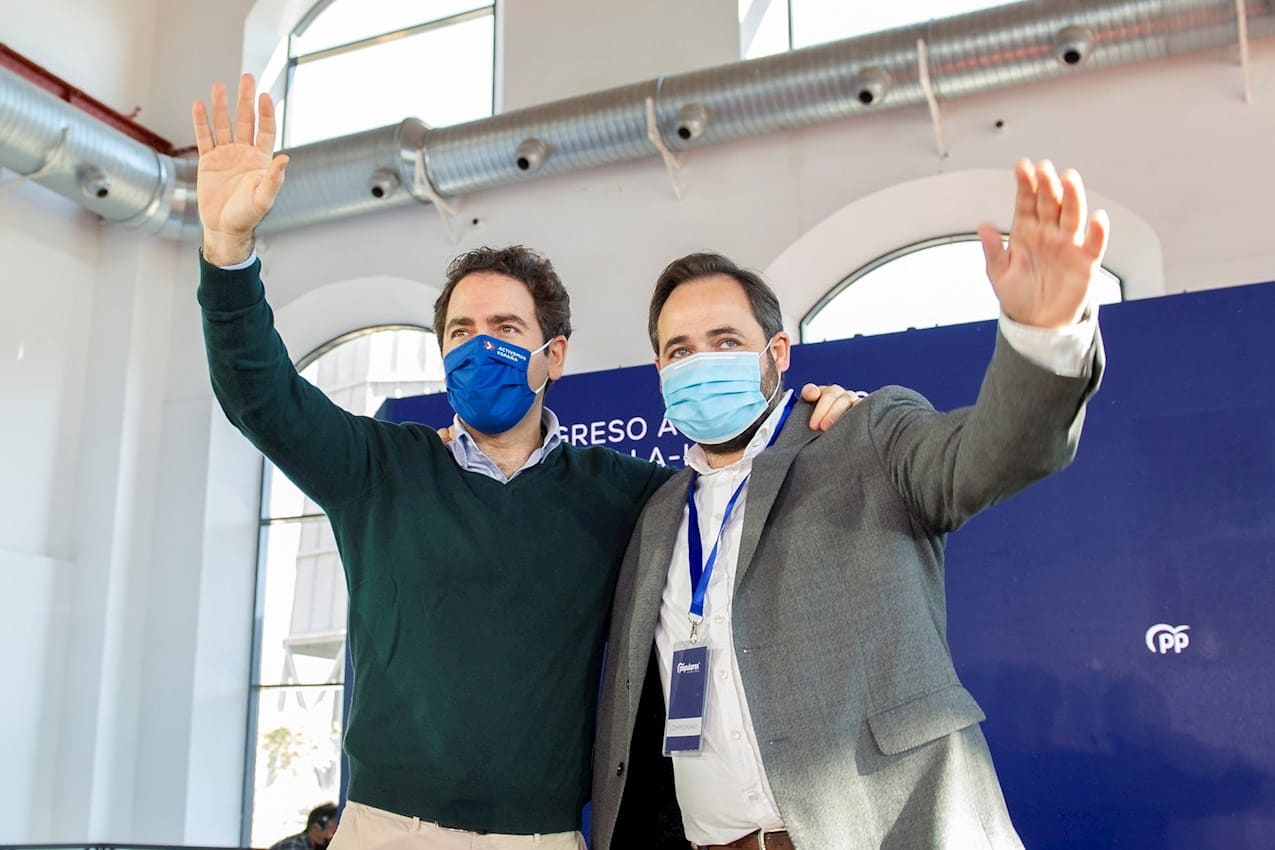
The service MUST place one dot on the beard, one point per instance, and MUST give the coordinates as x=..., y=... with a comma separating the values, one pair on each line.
x=771, y=387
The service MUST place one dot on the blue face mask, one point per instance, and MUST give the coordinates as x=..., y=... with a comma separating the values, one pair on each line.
x=487, y=383
x=714, y=396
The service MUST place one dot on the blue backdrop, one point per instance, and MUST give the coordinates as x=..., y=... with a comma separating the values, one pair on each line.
x=1113, y=620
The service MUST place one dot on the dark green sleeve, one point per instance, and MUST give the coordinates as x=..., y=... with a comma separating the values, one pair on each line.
x=324, y=450
x=646, y=477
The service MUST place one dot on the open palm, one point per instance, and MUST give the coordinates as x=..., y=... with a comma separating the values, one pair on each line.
x=1055, y=249
x=239, y=175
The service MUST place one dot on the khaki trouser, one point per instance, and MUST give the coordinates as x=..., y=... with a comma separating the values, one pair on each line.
x=365, y=828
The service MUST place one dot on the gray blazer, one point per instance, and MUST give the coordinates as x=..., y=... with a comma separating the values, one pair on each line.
x=839, y=621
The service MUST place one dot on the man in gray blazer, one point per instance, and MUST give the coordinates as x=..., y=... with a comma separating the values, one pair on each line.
x=782, y=598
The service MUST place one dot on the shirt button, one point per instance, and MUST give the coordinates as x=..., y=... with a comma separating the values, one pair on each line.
x=722, y=674
x=753, y=796
x=736, y=734
x=719, y=619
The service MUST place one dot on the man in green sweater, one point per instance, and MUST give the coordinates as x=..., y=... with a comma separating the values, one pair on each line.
x=481, y=571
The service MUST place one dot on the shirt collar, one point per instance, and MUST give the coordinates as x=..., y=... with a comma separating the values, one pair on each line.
x=697, y=458
x=471, y=457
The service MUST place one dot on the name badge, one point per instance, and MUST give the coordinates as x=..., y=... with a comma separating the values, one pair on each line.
x=688, y=689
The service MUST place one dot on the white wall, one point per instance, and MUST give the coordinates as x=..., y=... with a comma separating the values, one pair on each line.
x=607, y=43
x=91, y=44
x=50, y=251
x=127, y=534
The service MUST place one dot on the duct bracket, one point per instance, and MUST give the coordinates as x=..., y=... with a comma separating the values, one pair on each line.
x=672, y=162
x=425, y=189
x=1241, y=21
x=51, y=161
x=923, y=73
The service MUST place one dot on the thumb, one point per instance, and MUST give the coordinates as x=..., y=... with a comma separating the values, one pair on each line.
x=994, y=251
x=272, y=182
x=1097, y=234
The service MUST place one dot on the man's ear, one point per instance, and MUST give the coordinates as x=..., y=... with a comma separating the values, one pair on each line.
x=781, y=351
x=557, y=352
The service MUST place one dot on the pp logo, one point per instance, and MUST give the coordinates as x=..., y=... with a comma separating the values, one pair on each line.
x=1162, y=637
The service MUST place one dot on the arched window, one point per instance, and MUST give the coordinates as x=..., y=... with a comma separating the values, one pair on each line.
x=936, y=282
x=774, y=26
x=294, y=744
x=358, y=64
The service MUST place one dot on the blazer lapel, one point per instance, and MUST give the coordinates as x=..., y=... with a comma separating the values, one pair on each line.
x=770, y=468
x=657, y=533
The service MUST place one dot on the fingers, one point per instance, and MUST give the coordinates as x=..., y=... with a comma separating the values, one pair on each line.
x=833, y=402
x=1025, y=201
x=245, y=125
x=1072, y=216
x=203, y=135
x=244, y=111
x=222, y=134
x=1048, y=193
x=265, y=124
x=821, y=397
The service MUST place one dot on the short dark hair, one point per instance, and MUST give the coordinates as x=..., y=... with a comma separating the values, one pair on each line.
x=761, y=297
x=553, y=305
x=321, y=816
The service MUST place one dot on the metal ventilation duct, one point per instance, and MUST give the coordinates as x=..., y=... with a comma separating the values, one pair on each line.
x=126, y=182
x=77, y=156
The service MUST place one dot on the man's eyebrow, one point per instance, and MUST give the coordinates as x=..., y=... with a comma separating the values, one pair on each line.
x=507, y=318
x=726, y=330
x=462, y=321
x=677, y=340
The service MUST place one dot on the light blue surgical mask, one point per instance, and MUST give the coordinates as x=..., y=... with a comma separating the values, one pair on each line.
x=713, y=397
x=487, y=383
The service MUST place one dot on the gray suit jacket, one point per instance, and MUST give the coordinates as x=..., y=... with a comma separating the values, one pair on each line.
x=839, y=621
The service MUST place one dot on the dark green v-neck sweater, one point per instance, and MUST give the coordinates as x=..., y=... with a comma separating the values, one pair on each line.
x=478, y=609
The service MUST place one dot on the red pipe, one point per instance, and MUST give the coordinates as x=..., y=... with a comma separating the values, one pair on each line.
x=60, y=88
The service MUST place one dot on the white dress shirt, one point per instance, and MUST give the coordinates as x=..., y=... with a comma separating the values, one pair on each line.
x=723, y=792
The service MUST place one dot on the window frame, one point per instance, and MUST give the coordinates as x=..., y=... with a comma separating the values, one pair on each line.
x=294, y=60
x=791, y=46
x=257, y=689
x=885, y=259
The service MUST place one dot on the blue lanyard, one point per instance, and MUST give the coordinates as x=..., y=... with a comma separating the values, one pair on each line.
x=701, y=570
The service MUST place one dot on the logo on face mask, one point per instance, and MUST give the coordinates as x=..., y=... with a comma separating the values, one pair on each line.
x=487, y=383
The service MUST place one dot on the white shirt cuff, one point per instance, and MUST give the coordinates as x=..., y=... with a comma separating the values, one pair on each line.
x=252, y=258
x=1064, y=351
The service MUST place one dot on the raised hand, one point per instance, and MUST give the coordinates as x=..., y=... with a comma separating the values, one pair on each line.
x=239, y=176
x=1054, y=251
